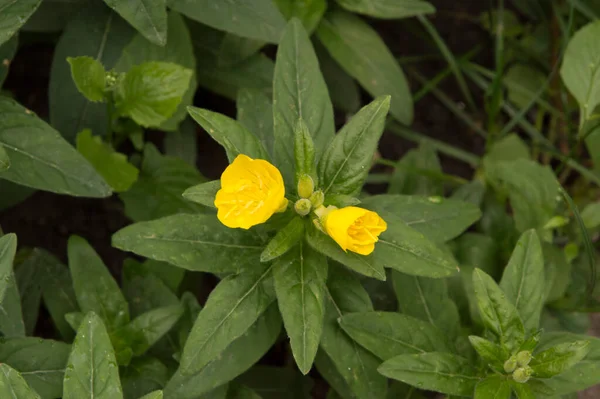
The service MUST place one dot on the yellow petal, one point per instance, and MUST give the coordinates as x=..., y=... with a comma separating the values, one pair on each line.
x=355, y=229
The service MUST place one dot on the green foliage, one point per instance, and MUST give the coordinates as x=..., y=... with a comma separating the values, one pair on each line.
x=466, y=280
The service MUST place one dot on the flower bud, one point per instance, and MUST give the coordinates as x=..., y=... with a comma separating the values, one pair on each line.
x=510, y=365
x=317, y=198
x=305, y=186
x=522, y=374
x=303, y=207
x=523, y=358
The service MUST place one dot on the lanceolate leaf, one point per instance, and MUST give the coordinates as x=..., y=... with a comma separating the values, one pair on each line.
x=12, y=384
x=194, y=242
x=255, y=113
x=300, y=277
x=523, y=279
x=355, y=364
x=96, y=32
x=13, y=14
x=229, y=133
x=95, y=289
x=392, y=9
x=309, y=12
x=204, y=193
x=231, y=309
x=236, y=359
x=11, y=315
x=41, y=158
x=493, y=387
x=92, y=370
x=388, y=334
x=8, y=248
x=346, y=162
x=149, y=17
x=360, y=51
x=258, y=19
x=498, y=314
x=299, y=92
x=41, y=363
x=434, y=371
x=439, y=219
x=559, y=358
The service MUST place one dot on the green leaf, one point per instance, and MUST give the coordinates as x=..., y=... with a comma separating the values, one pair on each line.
x=7, y=53
x=231, y=309
x=178, y=50
x=284, y=240
x=29, y=282
x=304, y=151
x=74, y=319
x=232, y=135
x=489, y=351
x=241, y=392
x=357, y=366
x=277, y=382
x=149, y=17
x=346, y=162
x=157, y=192
x=433, y=371
x=257, y=20
x=360, y=51
x=236, y=359
x=427, y=299
x=523, y=280
x=11, y=316
x=559, y=358
x=95, y=289
x=343, y=89
x=143, y=375
x=153, y=395
x=579, y=70
x=509, y=148
x=439, y=219
x=57, y=292
x=522, y=391
x=146, y=329
x=300, y=278
x=183, y=144
x=591, y=215
x=143, y=289
x=193, y=242
x=493, y=387
x=299, y=92
x=203, y=194
x=498, y=314
x=92, y=369
x=150, y=92
x=8, y=248
x=584, y=374
x=523, y=82
x=414, y=173
x=111, y=165
x=255, y=113
x=404, y=249
x=89, y=77
x=13, y=15
x=309, y=12
x=324, y=244
x=388, y=334
x=388, y=9
x=105, y=37
x=41, y=363
x=13, y=385
x=557, y=271
x=235, y=49
x=330, y=373
x=532, y=190
x=44, y=160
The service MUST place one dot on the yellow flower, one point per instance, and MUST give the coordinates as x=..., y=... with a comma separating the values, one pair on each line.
x=355, y=229
x=251, y=191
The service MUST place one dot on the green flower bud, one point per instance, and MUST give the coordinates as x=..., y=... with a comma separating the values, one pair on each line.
x=303, y=207
x=305, y=186
x=510, y=365
x=317, y=198
x=523, y=358
x=522, y=374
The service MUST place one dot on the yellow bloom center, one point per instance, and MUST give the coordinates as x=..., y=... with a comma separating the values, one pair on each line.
x=251, y=192
x=354, y=228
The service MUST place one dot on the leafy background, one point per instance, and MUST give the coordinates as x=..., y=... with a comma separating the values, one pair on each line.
x=47, y=221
